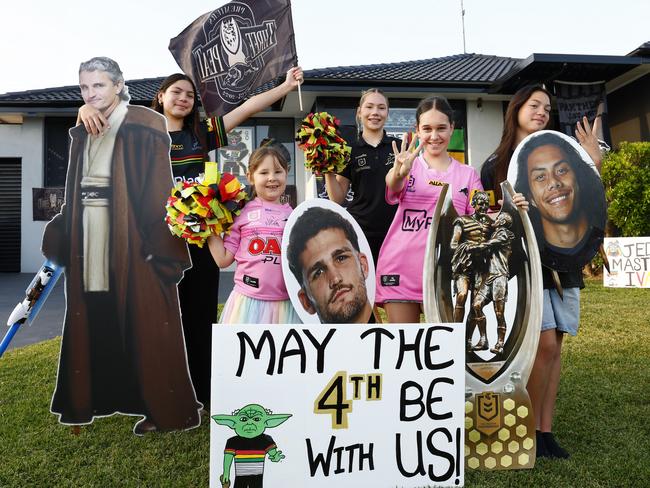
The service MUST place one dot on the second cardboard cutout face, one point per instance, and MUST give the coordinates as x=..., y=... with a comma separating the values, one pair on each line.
x=327, y=265
x=566, y=195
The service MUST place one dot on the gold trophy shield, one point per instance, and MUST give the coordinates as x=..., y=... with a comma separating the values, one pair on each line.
x=499, y=421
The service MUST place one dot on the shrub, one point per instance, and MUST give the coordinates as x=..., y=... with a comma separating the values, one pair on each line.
x=626, y=177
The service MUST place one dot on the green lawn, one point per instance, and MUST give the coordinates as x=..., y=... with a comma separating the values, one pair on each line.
x=603, y=418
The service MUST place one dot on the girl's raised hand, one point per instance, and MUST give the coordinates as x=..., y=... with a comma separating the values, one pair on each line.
x=405, y=156
x=586, y=136
x=294, y=77
x=519, y=200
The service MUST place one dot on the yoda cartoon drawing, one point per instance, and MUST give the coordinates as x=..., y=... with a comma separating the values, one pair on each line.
x=250, y=446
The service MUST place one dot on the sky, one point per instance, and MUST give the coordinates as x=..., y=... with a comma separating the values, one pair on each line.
x=42, y=42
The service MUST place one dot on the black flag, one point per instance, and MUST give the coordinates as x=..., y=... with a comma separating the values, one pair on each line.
x=575, y=100
x=236, y=49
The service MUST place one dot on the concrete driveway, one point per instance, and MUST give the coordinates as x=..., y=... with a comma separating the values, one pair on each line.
x=49, y=322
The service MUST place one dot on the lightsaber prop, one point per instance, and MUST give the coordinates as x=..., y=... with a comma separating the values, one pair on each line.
x=35, y=295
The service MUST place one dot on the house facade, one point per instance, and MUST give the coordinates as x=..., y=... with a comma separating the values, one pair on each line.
x=34, y=124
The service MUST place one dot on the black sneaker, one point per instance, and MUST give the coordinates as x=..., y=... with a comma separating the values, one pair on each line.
x=541, y=450
x=553, y=447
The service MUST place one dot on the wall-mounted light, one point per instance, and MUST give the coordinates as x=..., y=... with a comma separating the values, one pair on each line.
x=479, y=104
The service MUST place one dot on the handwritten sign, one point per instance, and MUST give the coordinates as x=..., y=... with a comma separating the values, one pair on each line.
x=340, y=405
x=629, y=262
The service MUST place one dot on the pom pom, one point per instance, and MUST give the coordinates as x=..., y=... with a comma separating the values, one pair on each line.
x=197, y=210
x=325, y=150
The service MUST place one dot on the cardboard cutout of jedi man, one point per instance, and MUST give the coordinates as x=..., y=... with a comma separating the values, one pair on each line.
x=122, y=349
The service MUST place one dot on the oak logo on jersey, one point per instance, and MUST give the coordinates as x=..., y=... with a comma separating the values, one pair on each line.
x=268, y=247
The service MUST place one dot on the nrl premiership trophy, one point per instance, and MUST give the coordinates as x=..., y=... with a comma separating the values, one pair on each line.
x=473, y=262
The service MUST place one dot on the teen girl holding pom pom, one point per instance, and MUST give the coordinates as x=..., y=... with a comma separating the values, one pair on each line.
x=371, y=159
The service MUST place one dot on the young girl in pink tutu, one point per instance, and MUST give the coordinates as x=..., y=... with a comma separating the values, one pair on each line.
x=254, y=242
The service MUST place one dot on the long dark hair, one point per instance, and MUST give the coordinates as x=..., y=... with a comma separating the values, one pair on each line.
x=191, y=122
x=506, y=147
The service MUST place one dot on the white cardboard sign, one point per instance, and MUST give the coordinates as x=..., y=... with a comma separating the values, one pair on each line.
x=368, y=405
x=629, y=262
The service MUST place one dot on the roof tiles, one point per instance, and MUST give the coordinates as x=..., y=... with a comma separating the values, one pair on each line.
x=461, y=68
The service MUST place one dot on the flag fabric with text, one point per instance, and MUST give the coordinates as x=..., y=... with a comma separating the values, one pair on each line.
x=235, y=49
x=578, y=99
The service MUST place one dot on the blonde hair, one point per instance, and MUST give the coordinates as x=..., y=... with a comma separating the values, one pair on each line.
x=364, y=95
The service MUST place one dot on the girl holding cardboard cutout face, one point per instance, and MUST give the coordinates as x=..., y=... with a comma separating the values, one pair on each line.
x=529, y=112
x=326, y=265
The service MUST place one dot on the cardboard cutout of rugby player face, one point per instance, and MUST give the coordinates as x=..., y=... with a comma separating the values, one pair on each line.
x=327, y=265
x=567, y=198
x=122, y=349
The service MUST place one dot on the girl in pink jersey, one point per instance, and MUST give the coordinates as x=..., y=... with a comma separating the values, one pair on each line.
x=414, y=183
x=254, y=241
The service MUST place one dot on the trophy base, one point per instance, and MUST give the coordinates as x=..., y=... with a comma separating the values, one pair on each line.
x=499, y=430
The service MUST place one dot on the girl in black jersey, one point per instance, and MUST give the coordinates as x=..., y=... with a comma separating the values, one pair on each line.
x=371, y=158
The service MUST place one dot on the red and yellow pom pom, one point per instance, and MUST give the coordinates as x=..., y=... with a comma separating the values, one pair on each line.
x=325, y=150
x=197, y=210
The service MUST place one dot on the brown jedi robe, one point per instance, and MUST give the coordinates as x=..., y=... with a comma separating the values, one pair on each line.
x=146, y=262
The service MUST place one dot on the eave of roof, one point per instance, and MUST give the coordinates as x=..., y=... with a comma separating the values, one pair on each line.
x=460, y=73
x=642, y=50
x=142, y=92
x=544, y=68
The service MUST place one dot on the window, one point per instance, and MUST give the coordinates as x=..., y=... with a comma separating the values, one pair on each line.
x=401, y=118
x=243, y=140
x=56, y=150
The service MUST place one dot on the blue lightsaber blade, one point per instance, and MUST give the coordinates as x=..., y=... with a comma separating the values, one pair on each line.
x=35, y=295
